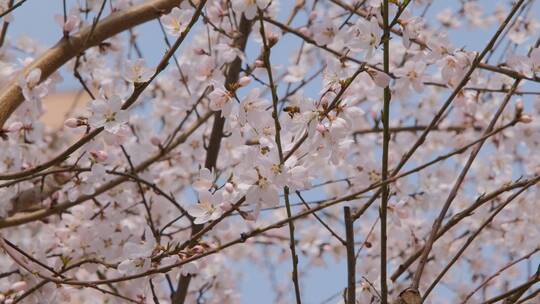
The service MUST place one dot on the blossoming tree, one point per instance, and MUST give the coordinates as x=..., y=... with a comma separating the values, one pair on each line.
x=409, y=160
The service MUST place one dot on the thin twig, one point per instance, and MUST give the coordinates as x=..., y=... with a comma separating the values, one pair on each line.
x=277, y=138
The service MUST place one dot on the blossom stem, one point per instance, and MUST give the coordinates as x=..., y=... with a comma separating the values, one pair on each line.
x=277, y=126
x=386, y=143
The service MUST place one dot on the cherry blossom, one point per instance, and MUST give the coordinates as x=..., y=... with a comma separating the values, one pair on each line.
x=221, y=99
x=176, y=21
x=136, y=71
x=249, y=7
x=366, y=35
x=412, y=75
x=208, y=207
x=32, y=89
x=411, y=28
x=107, y=113
x=71, y=22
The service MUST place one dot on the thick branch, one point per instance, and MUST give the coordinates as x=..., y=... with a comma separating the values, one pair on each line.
x=66, y=49
x=216, y=136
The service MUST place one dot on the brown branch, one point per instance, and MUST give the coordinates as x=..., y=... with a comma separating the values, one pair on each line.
x=496, y=274
x=146, y=205
x=276, y=225
x=471, y=238
x=19, y=219
x=240, y=240
x=352, y=196
x=325, y=225
x=5, y=24
x=422, y=44
x=478, y=59
x=479, y=202
x=532, y=296
x=385, y=190
x=12, y=7
x=351, y=259
x=311, y=41
x=277, y=139
x=66, y=49
x=216, y=136
x=518, y=289
x=56, y=160
x=418, y=128
x=455, y=188
x=139, y=89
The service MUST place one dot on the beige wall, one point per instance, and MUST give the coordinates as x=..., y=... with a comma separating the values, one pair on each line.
x=57, y=105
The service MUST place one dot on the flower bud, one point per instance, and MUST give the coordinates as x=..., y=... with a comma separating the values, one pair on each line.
x=155, y=141
x=519, y=105
x=225, y=206
x=100, y=155
x=321, y=128
x=71, y=122
x=70, y=24
x=305, y=31
x=525, y=118
x=251, y=216
x=229, y=187
x=259, y=63
x=16, y=126
x=273, y=38
x=18, y=286
x=198, y=249
x=199, y=51
x=244, y=81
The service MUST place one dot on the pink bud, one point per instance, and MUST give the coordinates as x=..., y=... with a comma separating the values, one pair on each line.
x=373, y=114
x=313, y=15
x=225, y=206
x=55, y=195
x=33, y=77
x=100, y=155
x=525, y=119
x=244, y=81
x=251, y=216
x=273, y=38
x=321, y=128
x=229, y=187
x=519, y=105
x=71, y=122
x=18, y=286
x=70, y=24
x=199, y=51
x=305, y=31
x=155, y=141
x=198, y=249
x=259, y=63
x=16, y=126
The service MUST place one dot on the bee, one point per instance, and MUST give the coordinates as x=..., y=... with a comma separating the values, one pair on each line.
x=292, y=110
